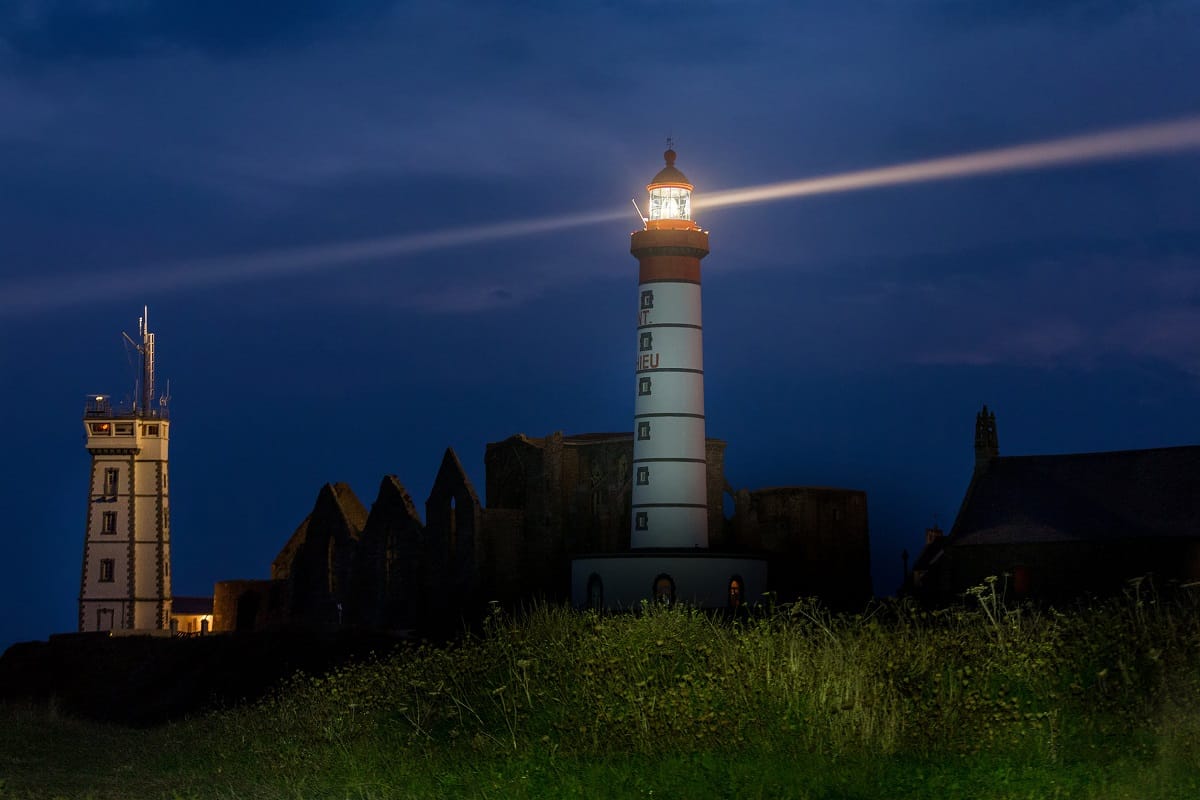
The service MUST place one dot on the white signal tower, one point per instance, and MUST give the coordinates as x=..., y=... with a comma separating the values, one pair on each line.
x=125, y=583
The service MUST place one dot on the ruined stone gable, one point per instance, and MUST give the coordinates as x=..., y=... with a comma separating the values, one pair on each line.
x=388, y=577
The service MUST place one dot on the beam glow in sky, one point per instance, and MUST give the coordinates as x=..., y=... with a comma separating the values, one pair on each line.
x=31, y=297
x=1121, y=143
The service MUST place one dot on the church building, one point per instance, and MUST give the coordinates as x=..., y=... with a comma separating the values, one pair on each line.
x=1055, y=527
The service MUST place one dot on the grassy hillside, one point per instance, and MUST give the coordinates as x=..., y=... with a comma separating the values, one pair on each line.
x=1101, y=701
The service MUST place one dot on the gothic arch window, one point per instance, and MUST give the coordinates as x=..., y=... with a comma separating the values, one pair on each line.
x=736, y=592
x=330, y=570
x=663, y=589
x=597, y=487
x=595, y=592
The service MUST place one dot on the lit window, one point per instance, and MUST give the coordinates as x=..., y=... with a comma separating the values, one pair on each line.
x=643, y=386
x=100, y=428
x=106, y=570
x=110, y=481
x=645, y=341
x=647, y=300
x=644, y=431
x=641, y=521
x=664, y=589
x=108, y=522
x=670, y=202
x=643, y=476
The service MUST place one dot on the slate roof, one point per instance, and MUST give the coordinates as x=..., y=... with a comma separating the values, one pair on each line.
x=1084, y=496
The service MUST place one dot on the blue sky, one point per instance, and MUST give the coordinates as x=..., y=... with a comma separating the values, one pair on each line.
x=163, y=153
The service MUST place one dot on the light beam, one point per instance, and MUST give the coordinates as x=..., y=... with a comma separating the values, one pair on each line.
x=1142, y=140
x=62, y=291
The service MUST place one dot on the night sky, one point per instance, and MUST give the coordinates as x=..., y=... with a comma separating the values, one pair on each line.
x=213, y=160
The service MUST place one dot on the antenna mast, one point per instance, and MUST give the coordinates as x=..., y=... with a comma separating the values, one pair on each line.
x=146, y=356
x=148, y=367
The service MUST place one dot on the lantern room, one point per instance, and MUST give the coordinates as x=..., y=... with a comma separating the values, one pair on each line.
x=670, y=198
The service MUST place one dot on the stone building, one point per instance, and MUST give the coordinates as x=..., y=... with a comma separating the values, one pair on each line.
x=1059, y=526
x=548, y=498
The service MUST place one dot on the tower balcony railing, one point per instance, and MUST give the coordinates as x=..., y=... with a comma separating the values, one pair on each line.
x=99, y=406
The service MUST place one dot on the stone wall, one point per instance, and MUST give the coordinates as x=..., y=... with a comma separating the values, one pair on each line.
x=817, y=539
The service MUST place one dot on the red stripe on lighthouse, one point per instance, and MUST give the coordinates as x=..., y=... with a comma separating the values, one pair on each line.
x=669, y=268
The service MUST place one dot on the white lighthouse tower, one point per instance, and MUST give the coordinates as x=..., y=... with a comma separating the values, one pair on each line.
x=126, y=577
x=668, y=559
x=670, y=502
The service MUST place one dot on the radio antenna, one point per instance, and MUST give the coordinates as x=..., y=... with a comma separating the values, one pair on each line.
x=145, y=351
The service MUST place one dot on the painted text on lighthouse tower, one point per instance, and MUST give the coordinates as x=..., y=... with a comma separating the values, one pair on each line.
x=670, y=507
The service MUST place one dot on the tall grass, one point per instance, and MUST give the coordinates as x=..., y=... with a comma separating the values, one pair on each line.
x=667, y=680
x=984, y=700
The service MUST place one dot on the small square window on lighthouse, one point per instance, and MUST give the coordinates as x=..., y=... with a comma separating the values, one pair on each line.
x=643, y=476
x=647, y=300
x=643, y=386
x=645, y=341
x=641, y=521
x=644, y=431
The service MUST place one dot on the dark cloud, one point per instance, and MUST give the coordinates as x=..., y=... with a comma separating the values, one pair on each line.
x=91, y=29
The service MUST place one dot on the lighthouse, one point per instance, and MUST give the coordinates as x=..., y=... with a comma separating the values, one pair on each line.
x=126, y=578
x=669, y=505
x=668, y=559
